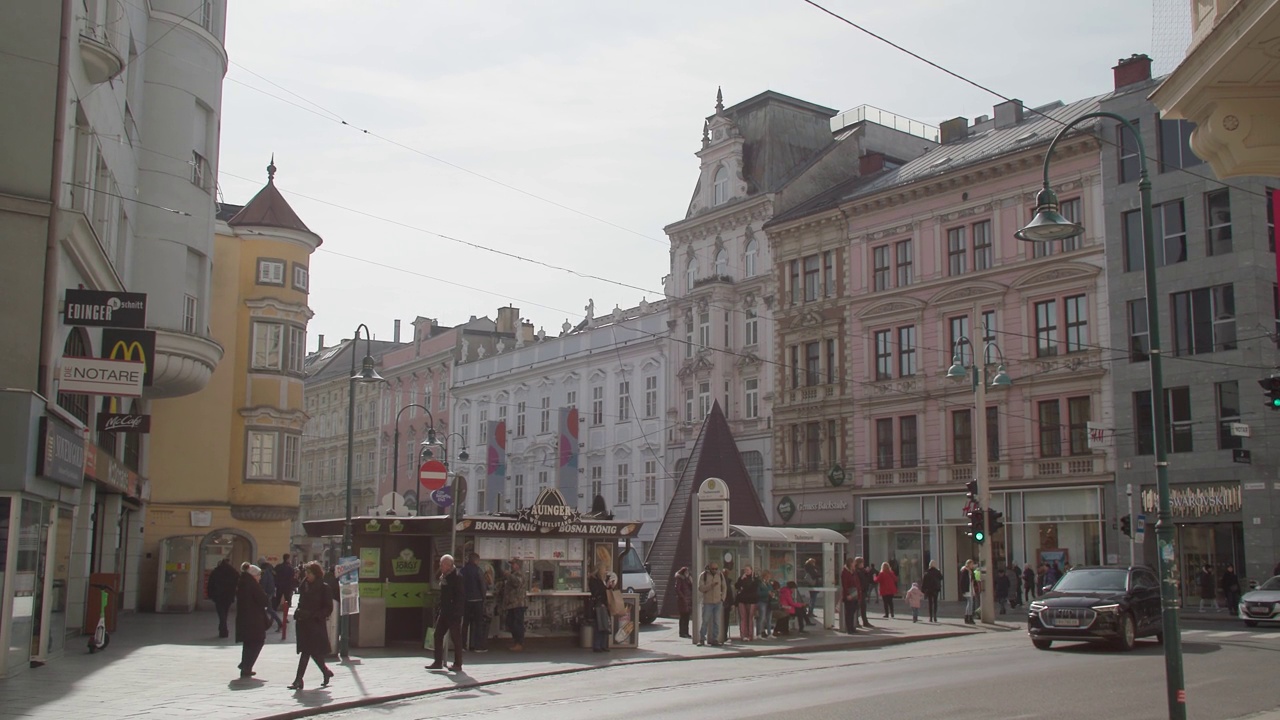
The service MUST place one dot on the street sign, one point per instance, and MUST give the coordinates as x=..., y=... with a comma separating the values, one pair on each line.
x=1244, y=457
x=433, y=475
x=1241, y=430
x=442, y=497
x=1140, y=529
x=94, y=376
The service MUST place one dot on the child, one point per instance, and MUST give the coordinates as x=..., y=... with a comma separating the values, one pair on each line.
x=914, y=596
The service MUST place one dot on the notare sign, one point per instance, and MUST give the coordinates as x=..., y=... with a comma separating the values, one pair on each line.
x=104, y=308
x=94, y=376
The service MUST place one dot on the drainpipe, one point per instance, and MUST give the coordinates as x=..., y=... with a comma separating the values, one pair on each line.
x=49, y=309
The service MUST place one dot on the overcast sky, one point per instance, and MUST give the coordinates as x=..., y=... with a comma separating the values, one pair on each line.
x=593, y=106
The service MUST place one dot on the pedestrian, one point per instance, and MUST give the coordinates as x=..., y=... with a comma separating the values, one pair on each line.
x=1231, y=589
x=968, y=591
x=790, y=601
x=887, y=584
x=515, y=600
x=600, y=612
x=1015, y=585
x=849, y=596
x=251, y=618
x=221, y=589
x=1029, y=582
x=473, y=619
x=1042, y=578
x=932, y=587
x=310, y=619
x=747, y=593
x=1002, y=590
x=730, y=602
x=765, y=600
x=268, y=582
x=913, y=597
x=711, y=590
x=979, y=577
x=810, y=577
x=449, y=609
x=684, y=599
x=865, y=581
x=1208, y=591
x=286, y=582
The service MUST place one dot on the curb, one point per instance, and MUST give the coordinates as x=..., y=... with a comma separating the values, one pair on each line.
x=762, y=652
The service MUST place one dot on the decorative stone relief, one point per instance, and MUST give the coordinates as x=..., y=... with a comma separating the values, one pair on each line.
x=263, y=512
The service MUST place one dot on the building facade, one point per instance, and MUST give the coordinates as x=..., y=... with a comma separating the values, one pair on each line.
x=89, y=203
x=582, y=412
x=930, y=271
x=226, y=461
x=1219, y=308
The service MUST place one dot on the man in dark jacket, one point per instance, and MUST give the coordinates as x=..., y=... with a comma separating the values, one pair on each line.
x=286, y=581
x=473, y=616
x=849, y=596
x=268, y=583
x=221, y=589
x=449, y=609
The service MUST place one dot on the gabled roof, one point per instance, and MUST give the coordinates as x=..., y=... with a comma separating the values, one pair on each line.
x=269, y=208
x=335, y=361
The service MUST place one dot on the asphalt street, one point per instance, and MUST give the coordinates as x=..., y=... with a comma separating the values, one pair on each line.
x=1230, y=673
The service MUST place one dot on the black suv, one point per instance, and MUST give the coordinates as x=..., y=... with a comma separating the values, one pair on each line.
x=1098, y=604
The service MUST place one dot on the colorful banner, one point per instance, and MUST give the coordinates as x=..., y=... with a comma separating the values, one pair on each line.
x=567, y=467
x=495, y=480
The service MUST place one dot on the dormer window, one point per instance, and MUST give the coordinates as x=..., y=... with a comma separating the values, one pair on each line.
x=720, y=187
x=690, y=274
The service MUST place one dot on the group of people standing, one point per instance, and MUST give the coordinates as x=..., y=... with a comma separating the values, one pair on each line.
x=461, y=613
x=765, y=607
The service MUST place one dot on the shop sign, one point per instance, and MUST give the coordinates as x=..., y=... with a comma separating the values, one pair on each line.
x=62, y=459
x=131, y=345
x=112, y=473
x=406, y=564
x=836, y=475
x=95, y=376
x=549, y=511
x=786, y=508
x=578, y=528
x=372, y=526
x=124, y=422
x=347, y=570
x=1196, y=501
x=824, y=505
x=105, y=308
x=370, y=558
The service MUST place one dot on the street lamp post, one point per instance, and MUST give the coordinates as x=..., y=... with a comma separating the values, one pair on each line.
x=1001, y=380
x=367, y=374
x=453, y=482
x=1049, y=225
x=395, y=449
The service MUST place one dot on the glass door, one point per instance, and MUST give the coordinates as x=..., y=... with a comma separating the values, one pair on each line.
x=176, y=591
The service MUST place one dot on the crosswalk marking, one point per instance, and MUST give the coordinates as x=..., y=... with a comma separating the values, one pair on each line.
x=1233, y=634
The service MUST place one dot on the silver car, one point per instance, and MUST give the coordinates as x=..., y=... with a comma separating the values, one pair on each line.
x=1261, y=604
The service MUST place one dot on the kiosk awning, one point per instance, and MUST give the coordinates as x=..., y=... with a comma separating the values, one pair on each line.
x=380, y=525
x=787, y=534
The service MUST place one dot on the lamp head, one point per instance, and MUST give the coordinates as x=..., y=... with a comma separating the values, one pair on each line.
x=427, y=452
x=1001, y=379
x=367, y=372
x=464, y=455
x=1048, y=224
x=957, y=370
x=431, y=436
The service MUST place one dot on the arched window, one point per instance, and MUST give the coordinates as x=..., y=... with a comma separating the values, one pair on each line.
x=749, y=264
x=721, y=187
x=722, y=263
x=689, y=274
x=77, y=345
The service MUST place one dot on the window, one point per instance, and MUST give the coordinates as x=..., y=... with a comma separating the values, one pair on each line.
x=262, y=455
x=597, y=405
x=1169, y=229
x=624, y=400
x=905, y=254
x=570, y=399
x=1143, y=424
x=795, y=281
x=300, y=277
x=884, y=354
x=728, y=342
x=1131, y=227
x=812, y=364
x=754, y=461
x=833, y=443
x=831, y=362
x=1078, y=416
x=751, y=334
x=688, y=337
x=1228, y=394
x=795, y=366
x=956, y=262
x=704, y=400
x=297, y=348
x=1178, y=406
x=1050, y=428
x=704, y=328
x=884, y=444
x=1204, y=320
x=908, y=454
x=907, y=351
x=267, y=341
x=1070, y=210
x=519, y=490
x=813, y=446
x=962, y=437
x=293, y=456
x=651, y=396
x=880, y=274
x=690, y=274
x=982, y=252
x=749, y=258
x=189, y=307
x=1129, y=160
x=988, y=333
x=1139, y=337
x=720, y=187
x=650, y=482
x=1047, y=328
x=1175, y=145
x=812, y=279
x=960, y=331
x=1271, y=220
x=722, y=263
x=1217, y=219
x=752, y=399
x=829, y=273
x=688, y=405
x=520, y=419
x=797, y=442
x=1077, y=323
x=544, y=416
x=624, y=484
x=270, y=272
x=200, y=171
x=993, y=434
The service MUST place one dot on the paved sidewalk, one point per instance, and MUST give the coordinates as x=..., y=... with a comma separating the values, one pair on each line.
x=174, y=666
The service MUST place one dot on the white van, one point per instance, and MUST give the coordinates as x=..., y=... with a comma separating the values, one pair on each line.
x=636, y=579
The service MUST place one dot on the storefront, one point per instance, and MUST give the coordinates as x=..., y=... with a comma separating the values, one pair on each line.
x=1209, y=531
x=1062, y=525
x=831, y=509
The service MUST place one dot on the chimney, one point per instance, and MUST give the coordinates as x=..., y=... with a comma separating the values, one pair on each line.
x=954, y=130
x=1132, y=70
x=872, y=162
x=508, y=319
x=395, y=337
x=321, y=342
x=1008, y=114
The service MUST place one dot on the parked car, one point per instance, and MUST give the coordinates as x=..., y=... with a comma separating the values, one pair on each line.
x=636, y=579
x=1098, y=604
x=1262, y=604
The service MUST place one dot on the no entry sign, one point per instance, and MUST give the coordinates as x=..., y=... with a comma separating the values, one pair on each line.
x=433, y=475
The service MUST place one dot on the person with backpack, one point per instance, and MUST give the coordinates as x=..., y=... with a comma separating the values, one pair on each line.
x=315, y=605
x=285, y=582
x=268, y=583
x=221, y=589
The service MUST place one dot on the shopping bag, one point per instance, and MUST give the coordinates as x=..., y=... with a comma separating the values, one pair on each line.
x=429, y=640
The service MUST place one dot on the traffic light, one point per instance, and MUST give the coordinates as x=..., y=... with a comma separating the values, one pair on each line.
x=1272, y=386
x=971, y=488
x=994, y=522
x=1126, y=525
x=978, y=525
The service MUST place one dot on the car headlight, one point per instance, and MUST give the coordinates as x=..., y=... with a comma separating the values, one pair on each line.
x=1036, y=606
x=1112, y=609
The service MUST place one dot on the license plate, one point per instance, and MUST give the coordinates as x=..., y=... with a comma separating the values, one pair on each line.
x=1067, y=622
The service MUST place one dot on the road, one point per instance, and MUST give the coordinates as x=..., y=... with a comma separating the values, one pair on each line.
x=1230, y=673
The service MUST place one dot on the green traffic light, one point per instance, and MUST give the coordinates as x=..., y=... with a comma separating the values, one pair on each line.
x=1275, y=402
x=979, y=536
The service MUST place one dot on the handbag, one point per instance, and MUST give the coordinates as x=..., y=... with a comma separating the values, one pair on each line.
x=429, y=639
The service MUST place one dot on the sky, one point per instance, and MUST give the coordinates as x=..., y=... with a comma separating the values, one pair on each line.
x=564, y=131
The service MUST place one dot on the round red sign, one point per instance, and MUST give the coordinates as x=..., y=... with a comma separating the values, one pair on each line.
x=433, y=475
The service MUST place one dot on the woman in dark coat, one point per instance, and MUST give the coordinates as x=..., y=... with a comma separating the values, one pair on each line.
x=315, y=605
x=251, y=618
x=684, y=600
x=1231, y=589
x=932, y=587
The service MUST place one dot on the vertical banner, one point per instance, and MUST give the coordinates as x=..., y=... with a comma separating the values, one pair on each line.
x=495, y=463
x=347, y=572
x=1275, y=228
x=567, y=465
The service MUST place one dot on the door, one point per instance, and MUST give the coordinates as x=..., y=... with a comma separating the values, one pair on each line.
x=176, y=587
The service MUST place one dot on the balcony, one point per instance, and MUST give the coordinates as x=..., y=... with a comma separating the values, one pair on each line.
x=183, y=364
x=102, y=61
x=809, y=394
x=712, y=280
x=888, y=478
x=1070, y=466
x=965, y=473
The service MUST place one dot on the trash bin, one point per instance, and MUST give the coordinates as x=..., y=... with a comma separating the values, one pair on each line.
x=586, y=635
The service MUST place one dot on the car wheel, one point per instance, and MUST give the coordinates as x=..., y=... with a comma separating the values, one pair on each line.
x=647, y=619
x=1041, y=644
x=1251, y=623
x=1128, y=635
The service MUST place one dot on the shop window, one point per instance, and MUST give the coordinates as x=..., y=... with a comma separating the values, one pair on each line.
x=1228, y=394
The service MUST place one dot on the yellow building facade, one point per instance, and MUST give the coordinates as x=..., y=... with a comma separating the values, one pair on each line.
x=225, y=462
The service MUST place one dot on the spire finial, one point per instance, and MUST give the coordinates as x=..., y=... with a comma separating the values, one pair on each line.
x=706, y=131
x=271, y=169
x=719, y=99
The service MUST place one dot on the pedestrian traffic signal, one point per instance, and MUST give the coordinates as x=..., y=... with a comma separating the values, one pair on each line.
x=994, y=522
x=971, y=488
x=1272, y=386
x=978, y=525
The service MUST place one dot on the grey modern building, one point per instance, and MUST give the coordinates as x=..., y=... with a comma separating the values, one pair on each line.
x=1219, y=313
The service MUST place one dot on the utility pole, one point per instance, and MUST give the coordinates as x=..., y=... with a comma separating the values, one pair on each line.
x=1128, y=491
x=984, y=485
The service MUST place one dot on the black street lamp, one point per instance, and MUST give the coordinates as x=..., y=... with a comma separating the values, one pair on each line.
x=453, y=483
x=1049, y=225
x=395, y=445
x=367, y=374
